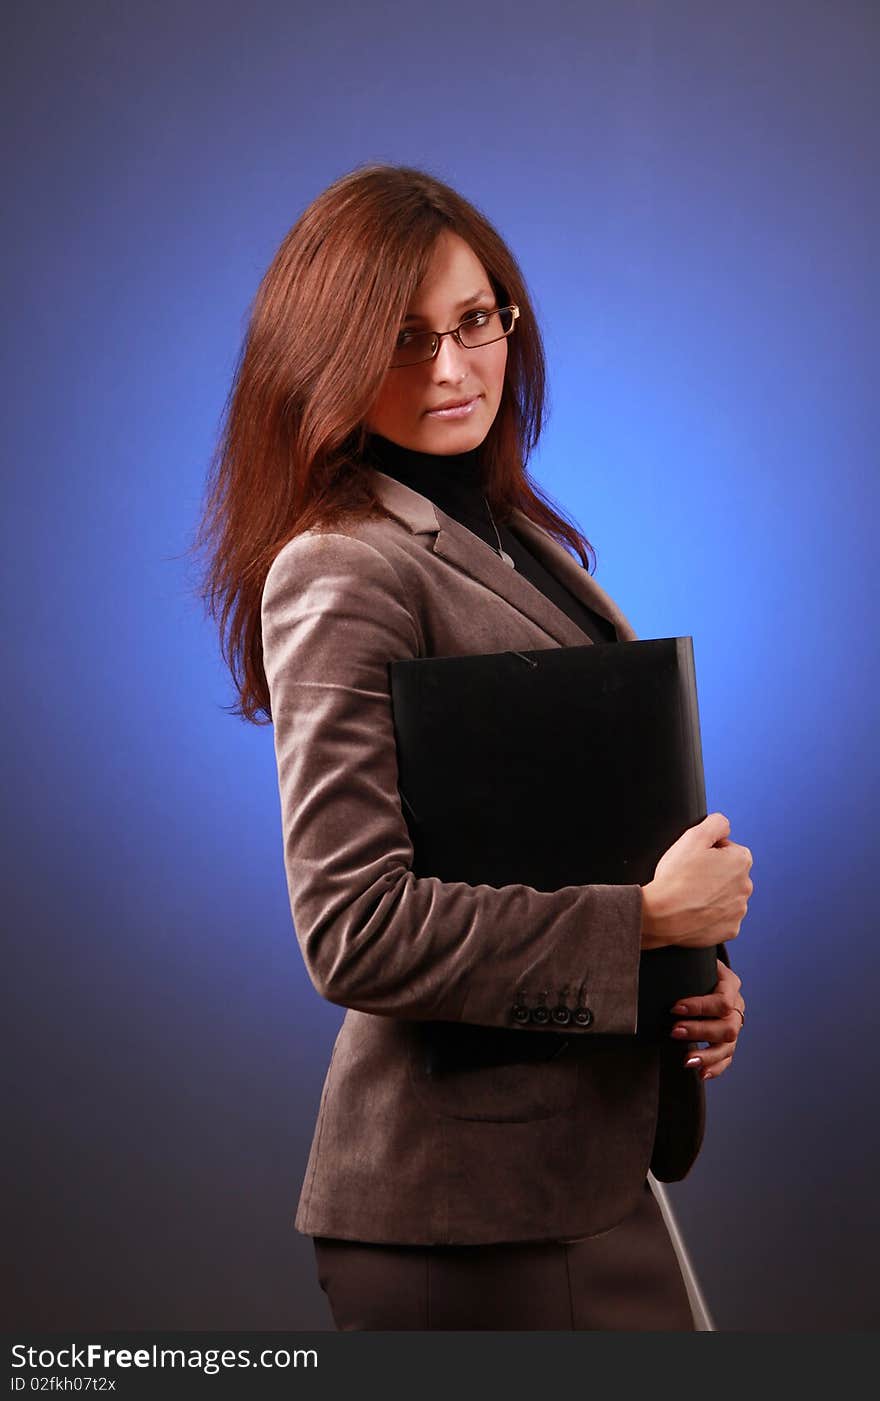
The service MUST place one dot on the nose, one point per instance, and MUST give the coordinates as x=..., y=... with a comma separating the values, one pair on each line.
x=450, y=362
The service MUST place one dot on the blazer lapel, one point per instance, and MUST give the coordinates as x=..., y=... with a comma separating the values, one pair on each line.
x=466, y=551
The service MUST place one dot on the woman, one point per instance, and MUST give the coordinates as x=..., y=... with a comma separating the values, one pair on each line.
x=371, y=504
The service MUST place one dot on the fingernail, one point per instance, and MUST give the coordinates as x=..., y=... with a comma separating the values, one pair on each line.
x=693, y=1060
x=679, y=1031
x=680, y=1008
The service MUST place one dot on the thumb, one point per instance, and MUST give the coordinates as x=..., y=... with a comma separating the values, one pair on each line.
x=712, y=829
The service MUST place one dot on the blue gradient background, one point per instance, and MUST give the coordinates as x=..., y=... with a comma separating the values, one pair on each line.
x=691, y=191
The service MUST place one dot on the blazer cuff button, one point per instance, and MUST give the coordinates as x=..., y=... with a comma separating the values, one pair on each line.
x=519, y=1013
x=583, y=1016
x=561, y=1014
x=540, y=1015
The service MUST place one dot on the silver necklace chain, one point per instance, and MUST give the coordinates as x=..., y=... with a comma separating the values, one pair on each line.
x=501, y=551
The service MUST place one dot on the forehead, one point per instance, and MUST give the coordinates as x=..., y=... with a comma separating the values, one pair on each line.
x=455, y=277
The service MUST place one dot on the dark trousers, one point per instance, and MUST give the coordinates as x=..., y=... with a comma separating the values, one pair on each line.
x=624, y=1278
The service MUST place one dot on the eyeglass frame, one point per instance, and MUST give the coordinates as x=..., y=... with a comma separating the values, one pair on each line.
x=455, y=334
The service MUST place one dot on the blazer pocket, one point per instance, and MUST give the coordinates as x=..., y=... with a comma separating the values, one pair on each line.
x=464, y=1071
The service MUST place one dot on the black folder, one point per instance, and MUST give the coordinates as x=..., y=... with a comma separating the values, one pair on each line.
x=558, y=766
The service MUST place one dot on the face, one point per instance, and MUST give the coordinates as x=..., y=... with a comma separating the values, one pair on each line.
x=456, y=282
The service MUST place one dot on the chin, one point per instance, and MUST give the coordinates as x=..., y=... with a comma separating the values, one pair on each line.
x=452, y=437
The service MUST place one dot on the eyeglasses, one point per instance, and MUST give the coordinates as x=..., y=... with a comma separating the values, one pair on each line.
x=477, y=328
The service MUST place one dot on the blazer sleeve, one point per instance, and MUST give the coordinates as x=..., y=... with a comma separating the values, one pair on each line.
x=373, y=935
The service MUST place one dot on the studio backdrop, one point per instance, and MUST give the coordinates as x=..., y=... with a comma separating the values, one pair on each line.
x=691, y=191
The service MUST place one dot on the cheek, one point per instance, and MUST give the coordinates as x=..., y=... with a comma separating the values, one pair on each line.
x=389, y=403
x=495, y=374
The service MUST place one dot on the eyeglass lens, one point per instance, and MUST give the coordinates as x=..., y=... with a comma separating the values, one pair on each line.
x=478, y=328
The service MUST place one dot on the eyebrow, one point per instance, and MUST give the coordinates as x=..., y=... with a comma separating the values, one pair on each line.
x=477, y=296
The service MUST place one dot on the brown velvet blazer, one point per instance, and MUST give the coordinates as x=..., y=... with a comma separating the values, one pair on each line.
x=506, y=1149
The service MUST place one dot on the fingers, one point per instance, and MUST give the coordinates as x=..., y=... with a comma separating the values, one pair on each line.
x=708, y=1061
x=715, y=1030
x=715, y=1068
x=720, y=1035
x=718, y=1003
x=726, y=973
x=712, y=1004
x=716, y=1019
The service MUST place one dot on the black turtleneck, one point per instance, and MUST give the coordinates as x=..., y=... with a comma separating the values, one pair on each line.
x=454, y=482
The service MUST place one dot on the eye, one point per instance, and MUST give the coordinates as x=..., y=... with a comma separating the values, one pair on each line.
x=474, y=318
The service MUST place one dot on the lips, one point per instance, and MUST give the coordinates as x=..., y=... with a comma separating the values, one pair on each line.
x=452, y=404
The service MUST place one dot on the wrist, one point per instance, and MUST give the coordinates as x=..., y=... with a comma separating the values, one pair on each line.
x=651, y=935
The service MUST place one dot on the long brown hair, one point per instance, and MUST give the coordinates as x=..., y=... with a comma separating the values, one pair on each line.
x=322, y=326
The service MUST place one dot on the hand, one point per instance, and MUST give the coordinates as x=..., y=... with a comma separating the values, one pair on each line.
x=712, y=1018
x=700, y=891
